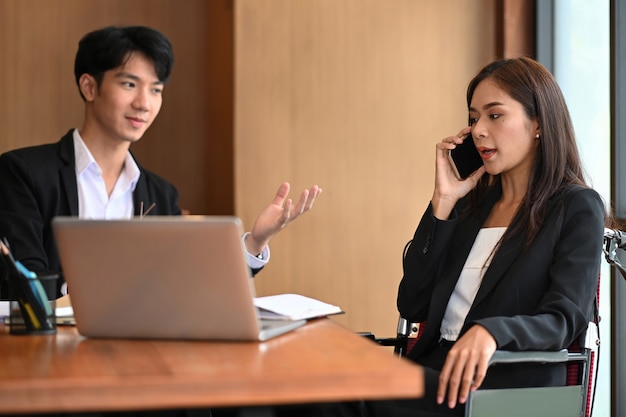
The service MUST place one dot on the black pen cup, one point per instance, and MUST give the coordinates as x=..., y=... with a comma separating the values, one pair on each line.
x=33, y=315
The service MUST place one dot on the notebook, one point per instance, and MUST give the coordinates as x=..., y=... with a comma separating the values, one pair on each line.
x=161, y=277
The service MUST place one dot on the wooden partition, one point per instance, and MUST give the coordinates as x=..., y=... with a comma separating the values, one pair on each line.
x=351, y=95
x=515, y=28
x=39, y=100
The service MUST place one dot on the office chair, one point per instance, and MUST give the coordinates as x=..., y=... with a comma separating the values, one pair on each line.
x=575, y=399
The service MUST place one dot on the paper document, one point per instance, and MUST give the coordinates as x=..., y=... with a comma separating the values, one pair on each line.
x=60, y=311
x=293, y=307
x=66, y=311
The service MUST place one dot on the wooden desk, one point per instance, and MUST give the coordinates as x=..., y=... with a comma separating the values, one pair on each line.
x=319, y=362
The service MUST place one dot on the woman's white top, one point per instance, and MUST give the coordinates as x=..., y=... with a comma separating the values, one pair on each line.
x=471, y=277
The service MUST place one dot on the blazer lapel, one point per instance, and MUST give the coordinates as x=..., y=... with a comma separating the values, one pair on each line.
x=466, y=233
x=500, y=263
x=68, y=172
x=502, y=260
x=507, y=254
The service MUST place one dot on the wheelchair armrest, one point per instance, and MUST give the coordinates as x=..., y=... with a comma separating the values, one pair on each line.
x=368, y=335
x=391, y=341
x=505, y=356
x=386, y=341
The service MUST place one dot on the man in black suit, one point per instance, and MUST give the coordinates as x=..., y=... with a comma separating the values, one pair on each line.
x=90, y=172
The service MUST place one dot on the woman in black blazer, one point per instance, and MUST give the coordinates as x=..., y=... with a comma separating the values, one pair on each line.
x=508, y=258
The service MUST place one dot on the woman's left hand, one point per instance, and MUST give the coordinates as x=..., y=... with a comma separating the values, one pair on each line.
x=466, y=365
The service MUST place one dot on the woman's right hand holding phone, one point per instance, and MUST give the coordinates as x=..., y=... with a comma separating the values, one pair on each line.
x=448, y=188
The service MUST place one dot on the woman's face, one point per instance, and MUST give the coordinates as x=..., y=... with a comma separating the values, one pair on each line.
x=504, y=135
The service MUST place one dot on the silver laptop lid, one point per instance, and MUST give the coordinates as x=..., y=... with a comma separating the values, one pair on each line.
x=158, y=277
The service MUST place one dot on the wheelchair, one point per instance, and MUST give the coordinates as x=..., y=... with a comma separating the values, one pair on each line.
x=575, y=399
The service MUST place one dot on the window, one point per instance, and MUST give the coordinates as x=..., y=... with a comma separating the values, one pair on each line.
x=574, y=42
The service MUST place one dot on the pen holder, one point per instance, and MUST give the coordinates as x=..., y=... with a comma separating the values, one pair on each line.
x=26, y=315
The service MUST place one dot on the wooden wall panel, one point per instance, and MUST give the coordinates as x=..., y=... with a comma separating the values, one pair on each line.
x=349, y=94
x=39, y=100
x=515, y=28
x=352, y=95
x=220, y=158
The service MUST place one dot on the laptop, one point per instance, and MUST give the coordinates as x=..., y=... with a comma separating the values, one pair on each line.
x=161, y=277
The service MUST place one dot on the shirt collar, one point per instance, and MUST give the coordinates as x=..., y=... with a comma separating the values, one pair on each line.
x=85, y=160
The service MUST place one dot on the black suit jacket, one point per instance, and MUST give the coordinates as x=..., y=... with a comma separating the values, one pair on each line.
x=535, y=298
x=38, y=183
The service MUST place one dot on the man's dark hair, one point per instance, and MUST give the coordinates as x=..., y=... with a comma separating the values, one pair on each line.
x=107, y=48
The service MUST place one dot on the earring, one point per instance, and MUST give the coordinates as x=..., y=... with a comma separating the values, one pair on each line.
x=537, y=136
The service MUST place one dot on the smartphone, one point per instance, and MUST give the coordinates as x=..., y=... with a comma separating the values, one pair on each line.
x=465, y=158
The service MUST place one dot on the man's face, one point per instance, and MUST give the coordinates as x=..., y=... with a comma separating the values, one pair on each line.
x=127, y=102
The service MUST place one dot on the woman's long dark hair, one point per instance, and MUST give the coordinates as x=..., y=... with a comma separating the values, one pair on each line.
x=557, y=162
